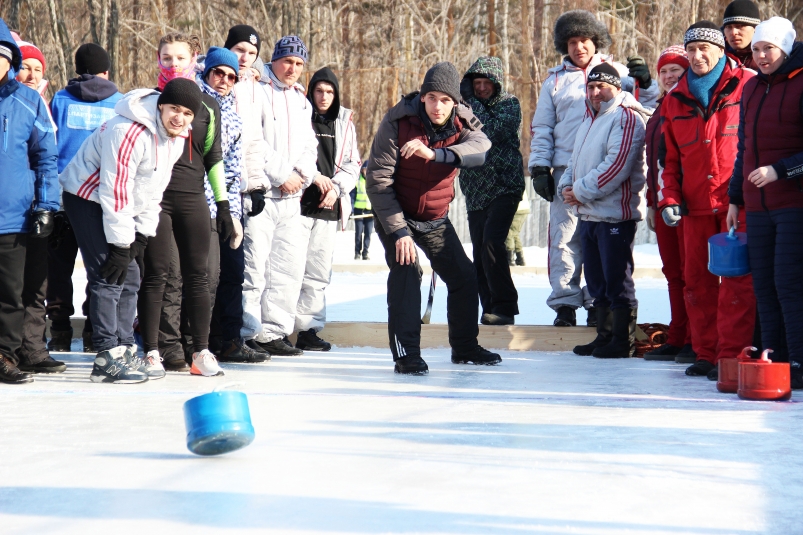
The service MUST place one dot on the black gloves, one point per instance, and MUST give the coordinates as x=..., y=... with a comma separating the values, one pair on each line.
x=41, y=224
x=639, y=71
x=225, y=226
x=61, y=227
x=257, y=202
x=137, y=252
x=542, y=182
x=116, y=266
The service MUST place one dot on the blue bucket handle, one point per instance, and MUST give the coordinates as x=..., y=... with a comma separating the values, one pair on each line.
x=228, y=385
x=732, y=234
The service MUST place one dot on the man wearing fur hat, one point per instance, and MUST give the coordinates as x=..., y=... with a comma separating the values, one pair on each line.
x=700, y=123
x=738, y=24
x=561, y=108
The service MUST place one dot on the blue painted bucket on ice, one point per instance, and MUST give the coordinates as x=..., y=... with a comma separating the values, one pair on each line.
x=727, y=254
x=218, y=422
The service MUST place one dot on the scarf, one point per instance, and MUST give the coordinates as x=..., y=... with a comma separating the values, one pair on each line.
x=168, y=73
x=702, y=87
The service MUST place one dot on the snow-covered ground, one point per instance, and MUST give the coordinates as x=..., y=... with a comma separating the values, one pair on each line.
x=546, y=443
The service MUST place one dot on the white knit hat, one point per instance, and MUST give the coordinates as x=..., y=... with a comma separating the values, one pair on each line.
x=777, y=31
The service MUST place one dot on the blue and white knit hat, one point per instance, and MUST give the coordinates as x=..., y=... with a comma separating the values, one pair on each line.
x=290, y=45
x=705, y=30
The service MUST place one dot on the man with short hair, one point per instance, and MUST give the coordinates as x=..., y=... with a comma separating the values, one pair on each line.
x=418, y=149
x=86, y=103
x=493, y=191
x=738, y=24
x=700, y=121
x=561, y=108
x=326, y=204
x=274, y=250
x=30, y=197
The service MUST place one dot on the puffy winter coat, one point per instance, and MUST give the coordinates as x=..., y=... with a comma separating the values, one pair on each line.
x=502, y=173
x=125, y=166
x=606, y=170
x=252, y=106
x=291, y=143
x=28, y=175
x=701, y=144
x=561, y=109
x=771, y=134
x=384, y=180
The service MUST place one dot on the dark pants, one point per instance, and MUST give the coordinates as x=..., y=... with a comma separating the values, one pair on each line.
x=33, y=348
x=774, y=243
x=489, y=229
x=449, y=260
x=608, y=262
x=228, y=309
x=183, y=221
x=363, y=228
x=12, y=270
x=112, y=308
x=60, y=266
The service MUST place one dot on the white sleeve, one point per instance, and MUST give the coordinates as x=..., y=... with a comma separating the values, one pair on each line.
x=542, y=146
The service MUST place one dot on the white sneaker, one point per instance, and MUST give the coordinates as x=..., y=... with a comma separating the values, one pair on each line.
x=204, y=363
x=153, y=365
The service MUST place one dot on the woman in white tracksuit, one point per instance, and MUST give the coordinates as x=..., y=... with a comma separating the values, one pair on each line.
x=274, y=252
x=338, y=165
x=561, y=108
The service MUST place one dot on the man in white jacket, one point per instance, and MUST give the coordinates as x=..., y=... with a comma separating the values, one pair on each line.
x=327, y=204
x=274, y=252
x=112, y=190
x=561, y=108
x=602, y=185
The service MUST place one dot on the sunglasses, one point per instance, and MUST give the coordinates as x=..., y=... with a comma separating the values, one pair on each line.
x=220, y=73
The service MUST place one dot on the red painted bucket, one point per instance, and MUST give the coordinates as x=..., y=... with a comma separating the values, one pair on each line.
x=728, y=370
x=764, y=380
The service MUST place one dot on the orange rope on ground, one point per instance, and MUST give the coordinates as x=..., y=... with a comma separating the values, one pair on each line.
x=657, y=334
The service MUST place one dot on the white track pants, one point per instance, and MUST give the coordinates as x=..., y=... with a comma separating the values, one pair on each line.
x=311, y=310
x=274, y=268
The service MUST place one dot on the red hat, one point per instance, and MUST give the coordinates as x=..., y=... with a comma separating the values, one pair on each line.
x=674, y=54
x=30, y=51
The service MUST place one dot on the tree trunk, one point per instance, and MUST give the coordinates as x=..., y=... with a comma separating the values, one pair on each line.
x=491, y=28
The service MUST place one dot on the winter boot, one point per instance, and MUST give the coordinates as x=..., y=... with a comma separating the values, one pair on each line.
x=89, y=346
x=566, y=317
x=10, y=374
x=701, y=367
x=48, y=365
x=591, y=320
x=520, y=258
x=623, y=329
x=665, y=352
x=478, y=356
x=241, y=351
x=357, y=256
x=511, y=258
x=365, y=256
x=496, y=319
x=60, y=341
x=686, y=355
x=411, y=365
x=111, y=367
x=310, y=341
x=281, y=348
x=796, y=370
x=604, y=320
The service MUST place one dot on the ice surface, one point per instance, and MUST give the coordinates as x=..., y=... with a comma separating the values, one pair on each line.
x=543, y=443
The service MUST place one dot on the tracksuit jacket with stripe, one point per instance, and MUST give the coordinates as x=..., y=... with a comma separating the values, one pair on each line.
x=125, y=166
x=606, y=169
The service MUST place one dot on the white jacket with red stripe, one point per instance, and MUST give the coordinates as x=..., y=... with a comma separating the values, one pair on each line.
x=607, y=166
x=125, y=166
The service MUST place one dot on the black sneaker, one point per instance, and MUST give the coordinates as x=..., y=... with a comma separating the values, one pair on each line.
x=497, y=319
x=713, y=375
x=10, y=374
x=665, y=352
x=111, y=366
x=566, y=317
x=700, y=368
x=310, y=341
x=238, y=351
x=365, y=256
x=89, y=347
x=49, y=365
x=174, y=359
x=256, y=347
x=686, y=355
x=591, y=320
x=280, y=347
x=357, y=256
x=411, y=365
x=796, y=371
x=478, y=356
x=60, y=341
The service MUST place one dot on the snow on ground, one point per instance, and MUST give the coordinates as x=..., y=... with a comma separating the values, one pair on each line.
x=546, y=443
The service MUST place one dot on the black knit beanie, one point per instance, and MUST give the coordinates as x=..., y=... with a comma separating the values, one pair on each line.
x=242, y=33
x=605, y=72
x=91, y=59
x=442, y=77
x=705, y=30
x=741, y=12
x=182, y=92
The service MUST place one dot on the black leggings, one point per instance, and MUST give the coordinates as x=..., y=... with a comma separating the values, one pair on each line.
x=185, y=215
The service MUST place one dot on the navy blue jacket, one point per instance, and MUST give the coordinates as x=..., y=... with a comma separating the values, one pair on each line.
x=28, y=176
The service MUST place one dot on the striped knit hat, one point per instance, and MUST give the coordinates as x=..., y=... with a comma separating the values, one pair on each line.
x=674, y=54
x=741, y=12
x=705, y=30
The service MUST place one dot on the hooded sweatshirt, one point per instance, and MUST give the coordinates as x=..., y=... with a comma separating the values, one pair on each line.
x=125, y=166
x=324, y=124
x=86, y=103
x=502, y=173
